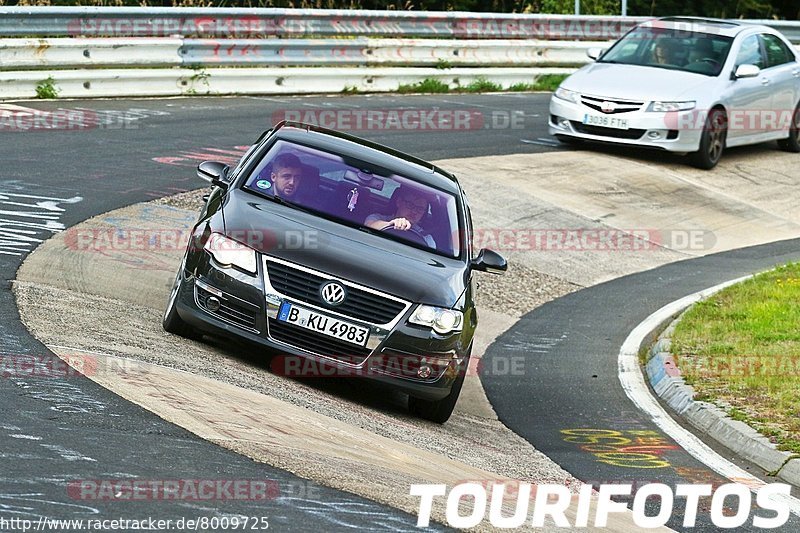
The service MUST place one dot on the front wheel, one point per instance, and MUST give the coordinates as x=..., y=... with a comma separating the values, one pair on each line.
x=172, y=322
x=712, y=141
x=439, y=411
x=792, y=143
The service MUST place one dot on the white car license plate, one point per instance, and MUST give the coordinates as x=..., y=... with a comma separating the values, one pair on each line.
x=326, y=325
x=605, y=121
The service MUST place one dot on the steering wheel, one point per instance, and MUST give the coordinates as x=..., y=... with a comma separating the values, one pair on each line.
x=711, y=60
x=415, y=234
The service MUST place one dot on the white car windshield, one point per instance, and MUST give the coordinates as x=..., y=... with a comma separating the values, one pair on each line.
x=689, y=51
x=354, y=192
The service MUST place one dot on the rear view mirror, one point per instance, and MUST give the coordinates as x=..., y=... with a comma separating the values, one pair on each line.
x=214, y=172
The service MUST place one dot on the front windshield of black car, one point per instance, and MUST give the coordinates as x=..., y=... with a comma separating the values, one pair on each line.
x=674, y=49
x=361, y=194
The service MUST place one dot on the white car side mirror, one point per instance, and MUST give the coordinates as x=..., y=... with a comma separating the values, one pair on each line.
x=746, y=71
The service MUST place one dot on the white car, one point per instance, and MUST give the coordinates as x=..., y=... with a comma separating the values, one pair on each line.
x=685, y=85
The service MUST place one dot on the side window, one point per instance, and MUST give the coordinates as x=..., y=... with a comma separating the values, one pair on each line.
x=750, y=52
x=777, y=51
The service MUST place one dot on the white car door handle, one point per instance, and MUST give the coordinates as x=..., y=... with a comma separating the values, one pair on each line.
x=764, y=81
x=796, y=73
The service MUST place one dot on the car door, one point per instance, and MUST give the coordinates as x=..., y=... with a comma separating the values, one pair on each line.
x=750, y=98
x=783, y=72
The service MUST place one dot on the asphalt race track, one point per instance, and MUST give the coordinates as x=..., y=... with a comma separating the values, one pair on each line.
x=570, y=381
x=59, y=429
x=64, y=428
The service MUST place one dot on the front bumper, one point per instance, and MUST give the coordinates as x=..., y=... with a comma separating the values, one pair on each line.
x=673, y=132
x=249, y=309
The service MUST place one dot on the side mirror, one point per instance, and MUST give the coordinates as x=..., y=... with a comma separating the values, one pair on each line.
x=490, y=261
x=746, y=71
x=214, y=172
x=594, y=52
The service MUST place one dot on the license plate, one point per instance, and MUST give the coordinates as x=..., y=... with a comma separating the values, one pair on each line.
x=605, y=121
x=326, y=325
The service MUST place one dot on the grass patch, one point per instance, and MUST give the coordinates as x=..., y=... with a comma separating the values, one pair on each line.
x=522, y=87
x=549, y=82
x=350, y=89
x=741, y=348
x=482, y=85
x=46, y=89
x=428, y=85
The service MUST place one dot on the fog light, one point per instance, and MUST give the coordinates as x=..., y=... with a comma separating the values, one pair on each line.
x=654, y=135
x=564, y=123
x=212, y=304
x=424, y=372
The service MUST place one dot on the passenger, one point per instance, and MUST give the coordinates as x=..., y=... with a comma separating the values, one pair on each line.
x=664, y=52
x=410, y=208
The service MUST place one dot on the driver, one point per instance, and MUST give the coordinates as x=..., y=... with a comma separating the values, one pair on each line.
x=410, y=208
x=287, y=172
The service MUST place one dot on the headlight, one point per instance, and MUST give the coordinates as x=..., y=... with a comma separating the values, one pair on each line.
x=228, y=252
x=661, y=107
x=566, y=94
x=441, y=320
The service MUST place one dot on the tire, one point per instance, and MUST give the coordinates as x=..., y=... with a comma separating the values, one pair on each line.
x=792, y=143
x=439, y=411
x=172, y=322
x=712, y=141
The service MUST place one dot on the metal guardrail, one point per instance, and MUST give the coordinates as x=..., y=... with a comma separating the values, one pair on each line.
x=180, y=51
x=223, y=81
x=293, y=23
x=60, y=53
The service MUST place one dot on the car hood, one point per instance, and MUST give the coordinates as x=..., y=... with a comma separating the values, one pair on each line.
x=345, y=252
x=635, y=82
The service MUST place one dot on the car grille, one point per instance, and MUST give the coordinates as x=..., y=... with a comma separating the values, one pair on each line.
x=315, y=343
x=622, y=106
x=359, y=304
x=606, y=132
x=229, y=310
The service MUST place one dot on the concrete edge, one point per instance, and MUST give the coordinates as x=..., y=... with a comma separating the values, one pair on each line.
x=666, y=381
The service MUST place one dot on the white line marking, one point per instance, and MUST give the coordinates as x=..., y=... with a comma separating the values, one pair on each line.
x=542, y=142
x=632, y=380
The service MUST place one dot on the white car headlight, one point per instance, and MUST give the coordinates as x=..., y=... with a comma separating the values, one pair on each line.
x=566, y=94
x=441, y=320
x=228, y=252
x=662, y=107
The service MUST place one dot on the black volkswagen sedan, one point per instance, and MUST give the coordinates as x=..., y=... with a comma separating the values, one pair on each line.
x=336, y=251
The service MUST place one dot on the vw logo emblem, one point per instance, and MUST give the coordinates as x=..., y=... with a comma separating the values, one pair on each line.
x=332, y=293
x=608, y=107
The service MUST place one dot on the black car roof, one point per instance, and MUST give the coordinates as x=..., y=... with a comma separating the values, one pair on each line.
x=371, y=152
